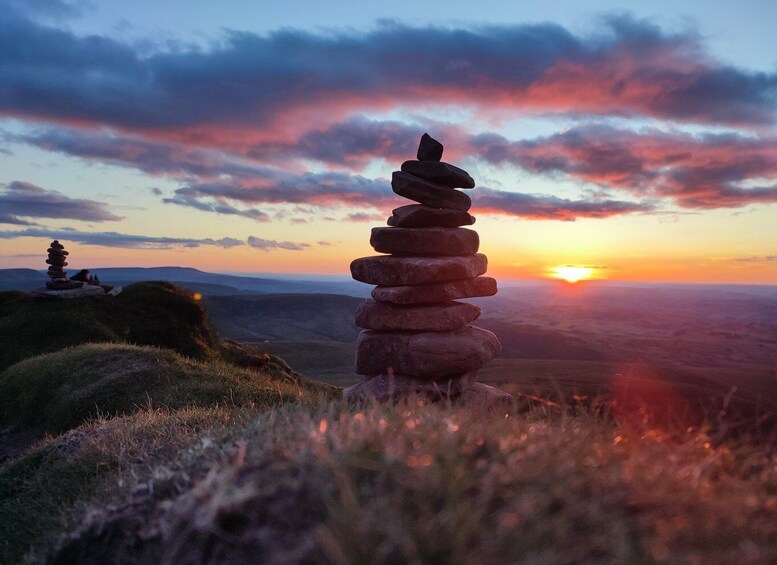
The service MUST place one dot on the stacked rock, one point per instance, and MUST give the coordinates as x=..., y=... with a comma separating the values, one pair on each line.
x=416, y=337
x=56, y=262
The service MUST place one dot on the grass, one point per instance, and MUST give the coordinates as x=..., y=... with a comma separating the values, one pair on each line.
x=147, y=313
x=48, y=490
x=177, y=447
x=61, y=390
x=328, y=483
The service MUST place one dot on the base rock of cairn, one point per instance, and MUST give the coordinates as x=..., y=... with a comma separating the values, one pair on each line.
x=416, y=338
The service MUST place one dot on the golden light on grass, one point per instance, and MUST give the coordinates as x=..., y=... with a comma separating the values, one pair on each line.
x=572, y=273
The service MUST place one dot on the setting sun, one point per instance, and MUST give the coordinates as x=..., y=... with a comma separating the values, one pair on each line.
x=572, y=273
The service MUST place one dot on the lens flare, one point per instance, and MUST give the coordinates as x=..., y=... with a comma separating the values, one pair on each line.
x=572, y=273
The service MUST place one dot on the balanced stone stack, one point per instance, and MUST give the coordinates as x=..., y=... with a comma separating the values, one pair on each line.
x=416, y=337
x=56, y=261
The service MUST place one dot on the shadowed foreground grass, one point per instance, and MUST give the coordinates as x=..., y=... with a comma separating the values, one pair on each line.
x=389, y=484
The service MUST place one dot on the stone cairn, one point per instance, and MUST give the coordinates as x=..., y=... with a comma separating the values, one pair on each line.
x=416, y=337
x=56, y=261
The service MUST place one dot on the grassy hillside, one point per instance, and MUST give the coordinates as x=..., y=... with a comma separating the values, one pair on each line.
x=177, y=447
x=58, y=391
x=68, y=364
x=148, y=313
x=399, y=484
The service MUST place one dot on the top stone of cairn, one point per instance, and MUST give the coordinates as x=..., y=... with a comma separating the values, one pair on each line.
x=429, y=149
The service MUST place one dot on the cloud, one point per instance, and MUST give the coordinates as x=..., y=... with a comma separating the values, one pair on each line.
x=9, y=219
x=20, y=199
x=352, y=143
x=248, y=85
x=364, y=217
x=546, y=207
x=271, y=244
x=693, y=171
x=278, y=187
x=157, y=157
x=652, y=166
x=223, y=187
x=219, y=207
x=115, y=239
x=762, y=259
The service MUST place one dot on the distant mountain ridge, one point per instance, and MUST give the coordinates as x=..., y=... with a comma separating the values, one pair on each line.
x=200, y=281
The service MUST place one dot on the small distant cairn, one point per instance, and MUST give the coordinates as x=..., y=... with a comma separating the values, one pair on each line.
x=416, y=338
x=56, y=261
x=62, y=286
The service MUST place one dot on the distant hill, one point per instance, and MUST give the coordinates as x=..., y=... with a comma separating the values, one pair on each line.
x=194, y=279
x=327, y=317
x=20, y=279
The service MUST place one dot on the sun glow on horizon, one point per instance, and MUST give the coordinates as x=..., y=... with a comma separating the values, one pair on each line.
x=572, y=273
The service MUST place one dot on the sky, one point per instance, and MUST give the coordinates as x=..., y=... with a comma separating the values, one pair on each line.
x=637, y=140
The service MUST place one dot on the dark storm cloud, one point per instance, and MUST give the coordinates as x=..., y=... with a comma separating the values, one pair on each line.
x=25, y=200
x=250, y=80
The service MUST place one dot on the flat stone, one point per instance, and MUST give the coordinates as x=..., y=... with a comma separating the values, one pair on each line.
x=394, y=271
x=429, y=149
x=57, y=262
x=63, y=285
x=56, y=245
x=420, y=216
x=433, y=293
x=489, y=397
x=447, y=316
x=390, y=388
x=425, y=241
x=58, y=252
x=424, y=354
x=77, y=292
x=439, y=172
x=429, y=193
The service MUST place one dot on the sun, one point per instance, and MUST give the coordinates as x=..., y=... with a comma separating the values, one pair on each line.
x=572, y=273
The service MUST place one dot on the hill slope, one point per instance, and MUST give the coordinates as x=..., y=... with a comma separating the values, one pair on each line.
x=148, y=313
x=325, y=317
x=179, y=455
